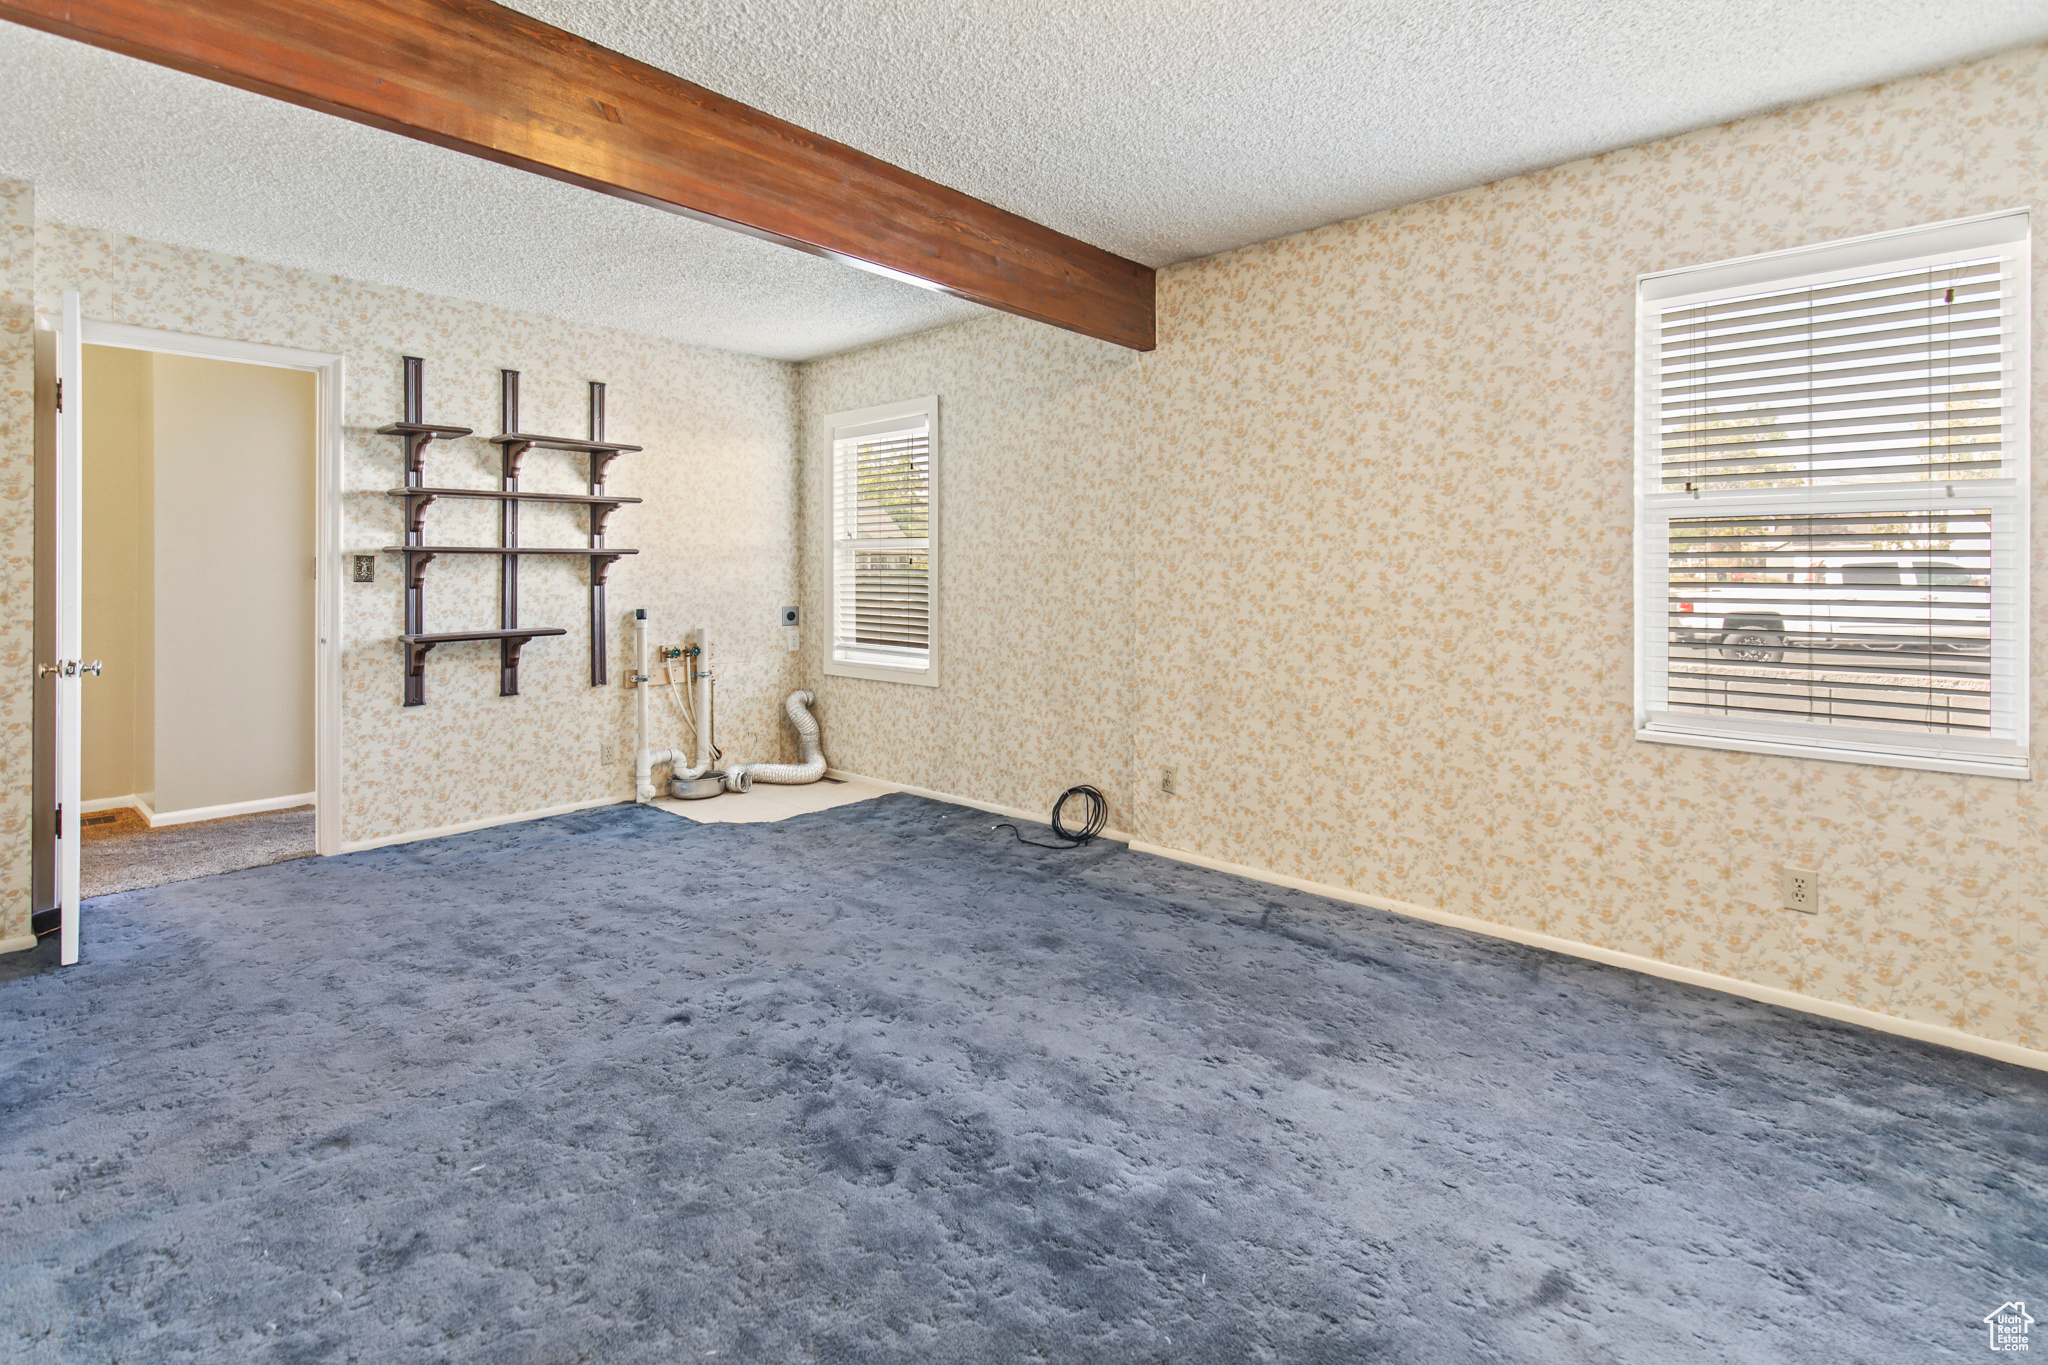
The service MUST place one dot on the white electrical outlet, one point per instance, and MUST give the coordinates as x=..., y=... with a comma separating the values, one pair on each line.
x=1169, y=780
x=1799, y=889
x=607, y=752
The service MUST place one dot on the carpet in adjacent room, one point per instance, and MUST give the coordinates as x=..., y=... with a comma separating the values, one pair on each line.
x=118, y=851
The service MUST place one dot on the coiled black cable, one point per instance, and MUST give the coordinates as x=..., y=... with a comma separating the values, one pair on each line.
x=1098, y=818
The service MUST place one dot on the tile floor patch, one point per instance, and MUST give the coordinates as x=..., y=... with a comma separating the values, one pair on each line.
x=767, y=803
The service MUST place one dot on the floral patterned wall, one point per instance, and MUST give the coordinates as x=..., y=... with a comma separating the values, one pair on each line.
x=1352, y=552
x=17, y=552
x=714, y=532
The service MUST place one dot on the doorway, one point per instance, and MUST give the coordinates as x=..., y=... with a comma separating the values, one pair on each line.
x=205, y=575
x=198, y=600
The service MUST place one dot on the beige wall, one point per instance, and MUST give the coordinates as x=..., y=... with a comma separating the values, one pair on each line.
x=198, y=585
x=234, y=582
x=1351, y=549
x=119, y=602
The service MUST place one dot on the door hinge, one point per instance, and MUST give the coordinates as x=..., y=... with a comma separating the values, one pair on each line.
x=60, y=395
x=60, y=822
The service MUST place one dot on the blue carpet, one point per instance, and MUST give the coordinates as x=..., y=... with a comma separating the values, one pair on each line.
x=876, y=1085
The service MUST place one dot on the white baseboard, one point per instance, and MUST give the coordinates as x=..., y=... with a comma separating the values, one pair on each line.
x=488, y=822
x=114, y=803
x=158, y=819
x=1635, y=962
x=20, y=943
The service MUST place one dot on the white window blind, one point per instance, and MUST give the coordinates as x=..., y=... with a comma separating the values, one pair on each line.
x=1831, y=553
x=881, y=481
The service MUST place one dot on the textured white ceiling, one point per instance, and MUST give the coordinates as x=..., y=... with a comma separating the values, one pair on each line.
x=123, y=146
x=1165, y=130
x=1160, y=129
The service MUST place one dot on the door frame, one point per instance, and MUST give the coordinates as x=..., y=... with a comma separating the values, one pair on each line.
x=329, y=372
x=43, y=899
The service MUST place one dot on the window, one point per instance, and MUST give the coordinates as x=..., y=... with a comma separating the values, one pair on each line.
x=882, y=538
x=1831, y=551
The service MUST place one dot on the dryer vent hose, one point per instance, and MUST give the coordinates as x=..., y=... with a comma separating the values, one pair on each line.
x=797, y=708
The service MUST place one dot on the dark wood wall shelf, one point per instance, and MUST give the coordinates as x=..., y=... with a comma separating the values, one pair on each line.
x=512, y=444
x=602, y=453
x=417, y=500
x=417, y=434
x=417, y=557
x=418, y=646
x=506, y=550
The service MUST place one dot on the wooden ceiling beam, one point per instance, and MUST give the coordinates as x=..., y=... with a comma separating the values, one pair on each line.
x=482, y=79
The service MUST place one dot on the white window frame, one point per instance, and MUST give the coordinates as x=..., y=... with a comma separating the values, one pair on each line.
x=2007, y=754
x=863, y=422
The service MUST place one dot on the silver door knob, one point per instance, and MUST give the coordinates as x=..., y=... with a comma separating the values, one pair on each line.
x=92, y=668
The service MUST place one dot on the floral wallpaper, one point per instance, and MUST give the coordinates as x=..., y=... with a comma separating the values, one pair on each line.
x=714, y=532
x=1351, y=552
x=17, y=551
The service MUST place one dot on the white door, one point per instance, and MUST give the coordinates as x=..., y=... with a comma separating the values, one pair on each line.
x=68, y=566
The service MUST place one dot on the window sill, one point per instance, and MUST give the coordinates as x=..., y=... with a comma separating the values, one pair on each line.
x=1970, y=764
x=916, y=677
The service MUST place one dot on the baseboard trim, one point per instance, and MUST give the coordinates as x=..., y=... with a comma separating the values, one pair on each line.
x=488, y=822
x=20, y=943
x=1939, y=1034
x=159, y=819
x=98, y=804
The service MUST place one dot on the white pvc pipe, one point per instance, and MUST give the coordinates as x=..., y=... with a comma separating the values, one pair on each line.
x=704, y=679
x=646, y=760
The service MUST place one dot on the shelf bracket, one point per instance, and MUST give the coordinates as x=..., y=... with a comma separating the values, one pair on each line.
x=416, y=652
x=509, y=665
x=416, y=443
x=600, y=460
x=416, y=505
x=416, y=562
x=514, y=452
